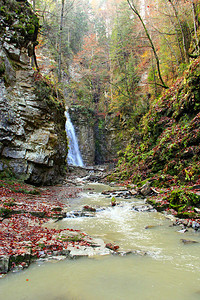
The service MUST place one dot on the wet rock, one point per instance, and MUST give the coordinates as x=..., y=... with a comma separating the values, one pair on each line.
x=146, y=189
x=93, y=177
x=197, y=210
x=79, y=214
x=133, y=192
x=89, y=208
x=195, y=225
x=112, y=247
x=144, y=208
x=126, y=194
x=4, y=264
x=150, y=226
x=87, y=215
x=113, y=201
x=131, y=252
x=182, y=230
x=188, y=241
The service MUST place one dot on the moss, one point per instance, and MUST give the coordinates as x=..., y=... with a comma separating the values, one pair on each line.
x=46, y=91
x=39, y=214
x=56, y=209
x=2, y=67
x=168, y=142
x=187, y=215
x=20, y=18
x=5, y=212
x=10, y=203
x=181, y=200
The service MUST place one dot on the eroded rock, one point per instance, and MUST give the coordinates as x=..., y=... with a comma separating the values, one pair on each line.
x=32, y=125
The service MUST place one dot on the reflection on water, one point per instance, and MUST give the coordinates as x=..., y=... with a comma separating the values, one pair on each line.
x=170, y=270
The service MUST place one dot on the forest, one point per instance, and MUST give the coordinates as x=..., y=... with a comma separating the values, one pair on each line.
x=129, y=72
x=138, y=62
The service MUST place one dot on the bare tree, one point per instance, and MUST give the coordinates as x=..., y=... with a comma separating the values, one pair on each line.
x=134, y=9
x=196, y=25
x=181, y=29
x=60, y=41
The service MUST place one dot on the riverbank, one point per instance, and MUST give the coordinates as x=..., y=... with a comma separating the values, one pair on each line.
x=24, y=213
x=183, y=203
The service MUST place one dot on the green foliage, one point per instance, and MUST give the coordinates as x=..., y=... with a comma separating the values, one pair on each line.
x=179, y=197
x=46, y=91
x=167, y=150
x=5, y=212
x=20, y=18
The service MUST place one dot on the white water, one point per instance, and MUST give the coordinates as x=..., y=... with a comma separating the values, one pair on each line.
x=74, y=156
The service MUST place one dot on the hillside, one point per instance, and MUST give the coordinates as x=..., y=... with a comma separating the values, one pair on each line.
x=167, y=148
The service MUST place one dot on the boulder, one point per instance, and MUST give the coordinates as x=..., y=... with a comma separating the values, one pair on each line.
x=4, y=264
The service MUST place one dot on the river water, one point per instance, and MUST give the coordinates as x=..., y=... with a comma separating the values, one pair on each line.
x=169, y=270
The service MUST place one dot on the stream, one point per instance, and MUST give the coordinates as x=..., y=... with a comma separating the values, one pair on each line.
x=164, y=268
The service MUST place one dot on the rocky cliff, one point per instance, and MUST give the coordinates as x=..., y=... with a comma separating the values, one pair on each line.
x=97, y=136
x=83, y=121
x=33, y=143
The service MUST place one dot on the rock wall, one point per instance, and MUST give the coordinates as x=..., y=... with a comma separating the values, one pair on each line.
x=33, y=143
x=83, y=121
x=97, y=136
x=109, y=138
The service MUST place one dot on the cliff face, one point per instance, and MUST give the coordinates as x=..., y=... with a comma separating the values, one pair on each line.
x=83, y=121
x=33, y=143
x=97, y=136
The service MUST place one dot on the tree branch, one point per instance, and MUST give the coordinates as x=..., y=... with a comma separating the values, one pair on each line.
x=134, y=9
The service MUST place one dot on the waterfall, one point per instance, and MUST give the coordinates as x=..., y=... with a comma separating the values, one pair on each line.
x=74, y=156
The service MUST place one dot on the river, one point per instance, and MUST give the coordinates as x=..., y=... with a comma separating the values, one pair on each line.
x=170, y=269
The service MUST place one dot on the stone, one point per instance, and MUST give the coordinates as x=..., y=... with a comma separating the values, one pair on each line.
x=13, y=52
x=146, y=189
x=150, y=226
x=112, y=247
x=4, y=264
x=89, y=208
x=188, y=241
x=195, y=225
x=182, y=230
x=13, y=153
x=144, y=208
x=197, y=210
x=33, y=144
x=38, y=158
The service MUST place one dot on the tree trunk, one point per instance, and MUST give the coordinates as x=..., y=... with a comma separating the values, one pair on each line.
x=182, y=31
x=60, y=41
x=196, y=24
x=134, y=9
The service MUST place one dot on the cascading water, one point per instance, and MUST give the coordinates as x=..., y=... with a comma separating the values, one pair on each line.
x=74, y=156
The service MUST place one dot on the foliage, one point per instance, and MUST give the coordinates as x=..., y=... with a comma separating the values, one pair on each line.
x=167, y=151
x=25, y=27
x=46, y=91
x=74, y=27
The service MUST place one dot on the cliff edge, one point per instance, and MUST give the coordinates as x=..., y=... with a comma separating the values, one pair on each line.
x=33, y=143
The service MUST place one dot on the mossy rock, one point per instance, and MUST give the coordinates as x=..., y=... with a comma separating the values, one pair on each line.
x=5, y=212
x=2, y=67
x=187, y=215
x=39, y=214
